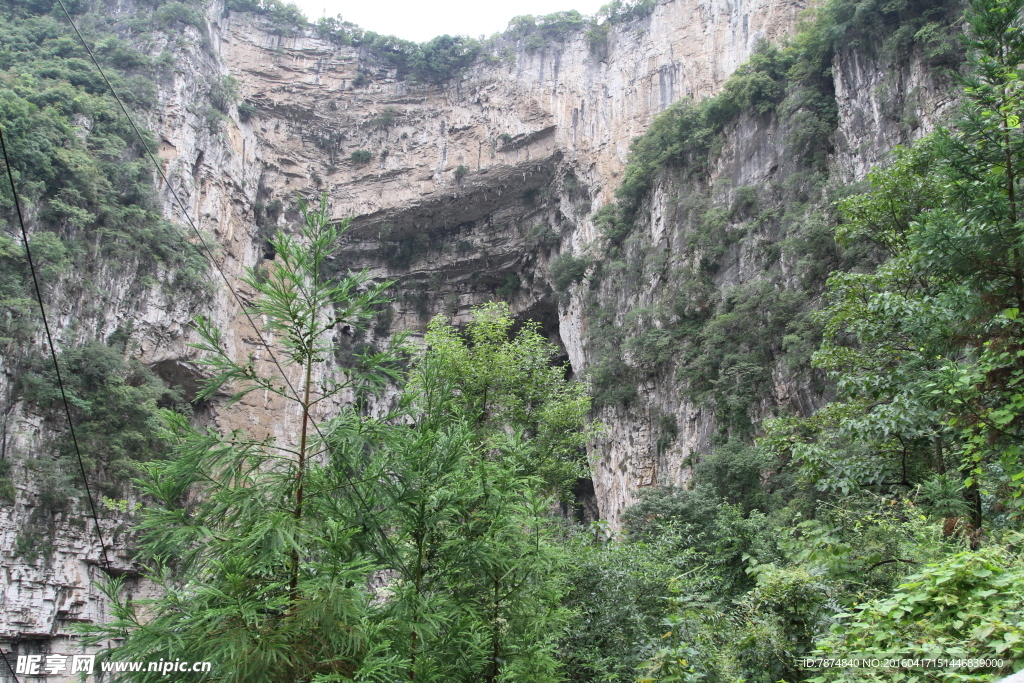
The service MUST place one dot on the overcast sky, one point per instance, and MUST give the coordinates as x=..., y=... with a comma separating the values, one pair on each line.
x=420, y=20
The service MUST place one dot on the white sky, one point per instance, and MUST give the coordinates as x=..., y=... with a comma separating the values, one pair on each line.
x=420, y=20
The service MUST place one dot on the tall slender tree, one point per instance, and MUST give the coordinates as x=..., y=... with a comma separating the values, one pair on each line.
x=466, y=494
x=251, y=539
x=975, y=242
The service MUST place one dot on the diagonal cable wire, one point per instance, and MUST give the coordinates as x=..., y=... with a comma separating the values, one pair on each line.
x=213, y=260
x=9, y=667
x=53, y=351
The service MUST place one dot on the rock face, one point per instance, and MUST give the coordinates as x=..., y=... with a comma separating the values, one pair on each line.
x=461, y=192
x=881, y=107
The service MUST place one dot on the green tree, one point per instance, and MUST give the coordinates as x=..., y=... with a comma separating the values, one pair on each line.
x=975, y=243
x=885, y=335
x=508, y=388
x=247, y=537
x=466, y=497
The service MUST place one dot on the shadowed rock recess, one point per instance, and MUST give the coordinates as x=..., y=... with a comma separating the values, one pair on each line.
x=464, y=192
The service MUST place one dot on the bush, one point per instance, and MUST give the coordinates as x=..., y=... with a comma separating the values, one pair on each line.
x=399, y=254
x=967, y=607
x=174, y=12
x=757, y=641
x=509, y=287
x=735, y=473
x=542, y=236
x=285, y=16
x=567, y=270
x=442, y=58
x=114, y=402
x=611, y=225
x=246, y=111
x=621, y=11
x=613, y=382
x=7, y=489
x=435, y=61
x=361, y=157
x=597, y=39
x=616, y=593
x=539, y=32
x=223, y=93
x=386, y=118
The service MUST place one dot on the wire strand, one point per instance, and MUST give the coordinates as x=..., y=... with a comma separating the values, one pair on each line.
x=53, y=351
x=9, y=667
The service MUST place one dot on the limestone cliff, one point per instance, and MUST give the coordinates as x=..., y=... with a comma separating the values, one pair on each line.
x=446, y=195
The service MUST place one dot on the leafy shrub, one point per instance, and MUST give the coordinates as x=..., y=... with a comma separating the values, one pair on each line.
x=944, y=496
x=597, y=39
x=757, y=640
x=114, y=402
x=7, y=490
x=567, y=270
x=223, y=93
x=386, y=118
x=698, y=519
x=744, y=203
x=509, y=287
x=621, y=11
x=538, y=32
x=361, y=157
x=868, y=26
x=284, y=15
x=442, y=58
x=616, y=593
x=613, y=382
x=651, y=348
x=121, y=55
x=399, y=254
x=461, y=171
x=435, y=61
x=966, y=607
x=542, y=236
x=246, y=111
x=173, y=12
x=31, y=545
x=611, y=224
x=735, y=473
x=668, y=429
